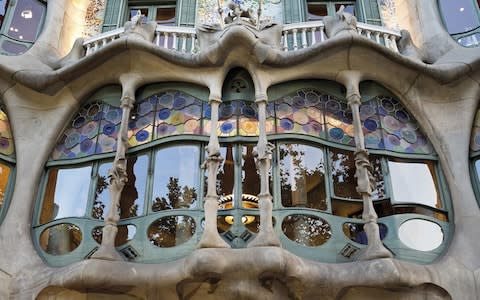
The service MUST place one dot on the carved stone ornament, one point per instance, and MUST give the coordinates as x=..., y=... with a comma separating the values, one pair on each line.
x=139, y=29
x=341, y=22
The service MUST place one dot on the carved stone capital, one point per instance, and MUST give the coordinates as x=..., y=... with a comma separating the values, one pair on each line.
x=354, y=98
x=127, y=102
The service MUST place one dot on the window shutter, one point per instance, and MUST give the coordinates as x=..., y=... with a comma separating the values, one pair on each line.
x=372, y=13
x=186, y=13
x=113, y=13
x=294, y=11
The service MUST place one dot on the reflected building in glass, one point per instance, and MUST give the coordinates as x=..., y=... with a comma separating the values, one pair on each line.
x=275, y=149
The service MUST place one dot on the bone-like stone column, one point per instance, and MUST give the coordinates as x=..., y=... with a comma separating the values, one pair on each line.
x=210, y=237
x=117, y=174
x=263, y=158
x=375, y=248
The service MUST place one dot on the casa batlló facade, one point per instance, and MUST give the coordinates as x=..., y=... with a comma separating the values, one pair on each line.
x=274, y=149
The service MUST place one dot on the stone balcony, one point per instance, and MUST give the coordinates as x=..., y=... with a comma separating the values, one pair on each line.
x=295, y=36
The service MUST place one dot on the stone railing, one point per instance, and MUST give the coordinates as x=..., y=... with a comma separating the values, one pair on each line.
x=181, y=39
x=295, y=36
x=303, y=35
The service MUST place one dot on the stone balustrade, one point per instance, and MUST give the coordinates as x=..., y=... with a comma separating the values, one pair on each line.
x=303, y=35
x=294, y=36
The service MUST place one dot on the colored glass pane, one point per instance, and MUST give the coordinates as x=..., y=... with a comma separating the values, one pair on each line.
x=401, y=132
x=371, y=125
x=177, y=113
x=6, y=138
x=248, y=119
x=339, y=122
x=140, y=126
x=108, y=131
x=301, y=112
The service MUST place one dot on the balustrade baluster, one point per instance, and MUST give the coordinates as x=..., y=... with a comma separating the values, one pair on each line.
x=285, y=41
x=314, y=38
x=304, y=38
x=184, y=43
x=322, y=33
x=174, y=42
x=165, y=40
x=295, y=42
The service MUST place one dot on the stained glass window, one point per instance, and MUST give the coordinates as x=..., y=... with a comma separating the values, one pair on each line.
x=386, y=123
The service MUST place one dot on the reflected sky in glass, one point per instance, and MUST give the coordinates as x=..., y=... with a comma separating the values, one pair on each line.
x=176, y=177
x=459, y=15
x=421, y=234
x=413, y=183
x=26, y=20
x=102, y=196
x=71, y=192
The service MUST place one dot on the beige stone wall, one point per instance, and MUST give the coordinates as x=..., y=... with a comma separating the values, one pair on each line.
x=42, y=92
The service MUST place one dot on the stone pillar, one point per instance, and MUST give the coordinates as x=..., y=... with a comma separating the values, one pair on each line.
x=263, y=155
x=375, y=248
x=210, y=237
x=117, y=174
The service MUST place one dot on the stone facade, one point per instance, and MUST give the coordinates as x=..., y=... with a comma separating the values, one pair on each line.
x=436, y=79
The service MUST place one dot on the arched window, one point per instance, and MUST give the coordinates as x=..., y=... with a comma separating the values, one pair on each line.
x=21, y=23
x=462, y=20
x=317, y=212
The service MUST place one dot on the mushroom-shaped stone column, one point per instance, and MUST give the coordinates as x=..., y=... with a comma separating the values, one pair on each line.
x=210, y=237
x=365, y=181
x=118, y=174
x=263, y=159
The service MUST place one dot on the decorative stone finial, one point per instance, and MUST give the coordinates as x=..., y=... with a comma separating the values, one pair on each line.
x=342, y=21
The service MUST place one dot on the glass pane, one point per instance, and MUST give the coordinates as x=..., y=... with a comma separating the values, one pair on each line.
x=176, y=176
x=338, y=118
x=347, y=209
x=143, y=11
x=60, y=239
x=101, y=202
x=177, y=113
x=13, y=48
x=66, y=193
x=414, y=183
x=225, y=177
x=248, y=120
x=165, y=16
x=140, y=126
x=401, y=132
x=109, y=128
x=349, y=8
x=227, y=119
x=4, y=175
x=125, y=234
x=317, y=11
x=3, y=10
x=356, y=233
x=471, y=40
x=421, y=235
x=302, y=176
x=26, y=20
x=250, y=178
x=301, y=112
x=133, y=193
x=171, y=231
x=459, y=15
x=306, y=230
x=342, y=164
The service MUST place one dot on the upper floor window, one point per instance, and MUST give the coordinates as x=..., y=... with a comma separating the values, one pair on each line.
x=162, y=14
x=462, y=20
x=318, y=10
x=22, y=21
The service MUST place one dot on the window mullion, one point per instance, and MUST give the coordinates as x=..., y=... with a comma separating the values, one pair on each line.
x=328, y=179
x=92, y=189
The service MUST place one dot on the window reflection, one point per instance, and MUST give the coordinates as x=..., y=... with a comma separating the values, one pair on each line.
x=317, y=11
x=421, y=235
x=414, y=183
x=165, y=16
x=171, y=231
x=459, y=15
x=225, y=177
x=302, y=176
x=306, y=230
x=125, y=234
x=26, y=21
x=66, y=193
x=3, y=10
x=250, y=178
x=133, y=193
x=175, y=182
x=60, y=239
